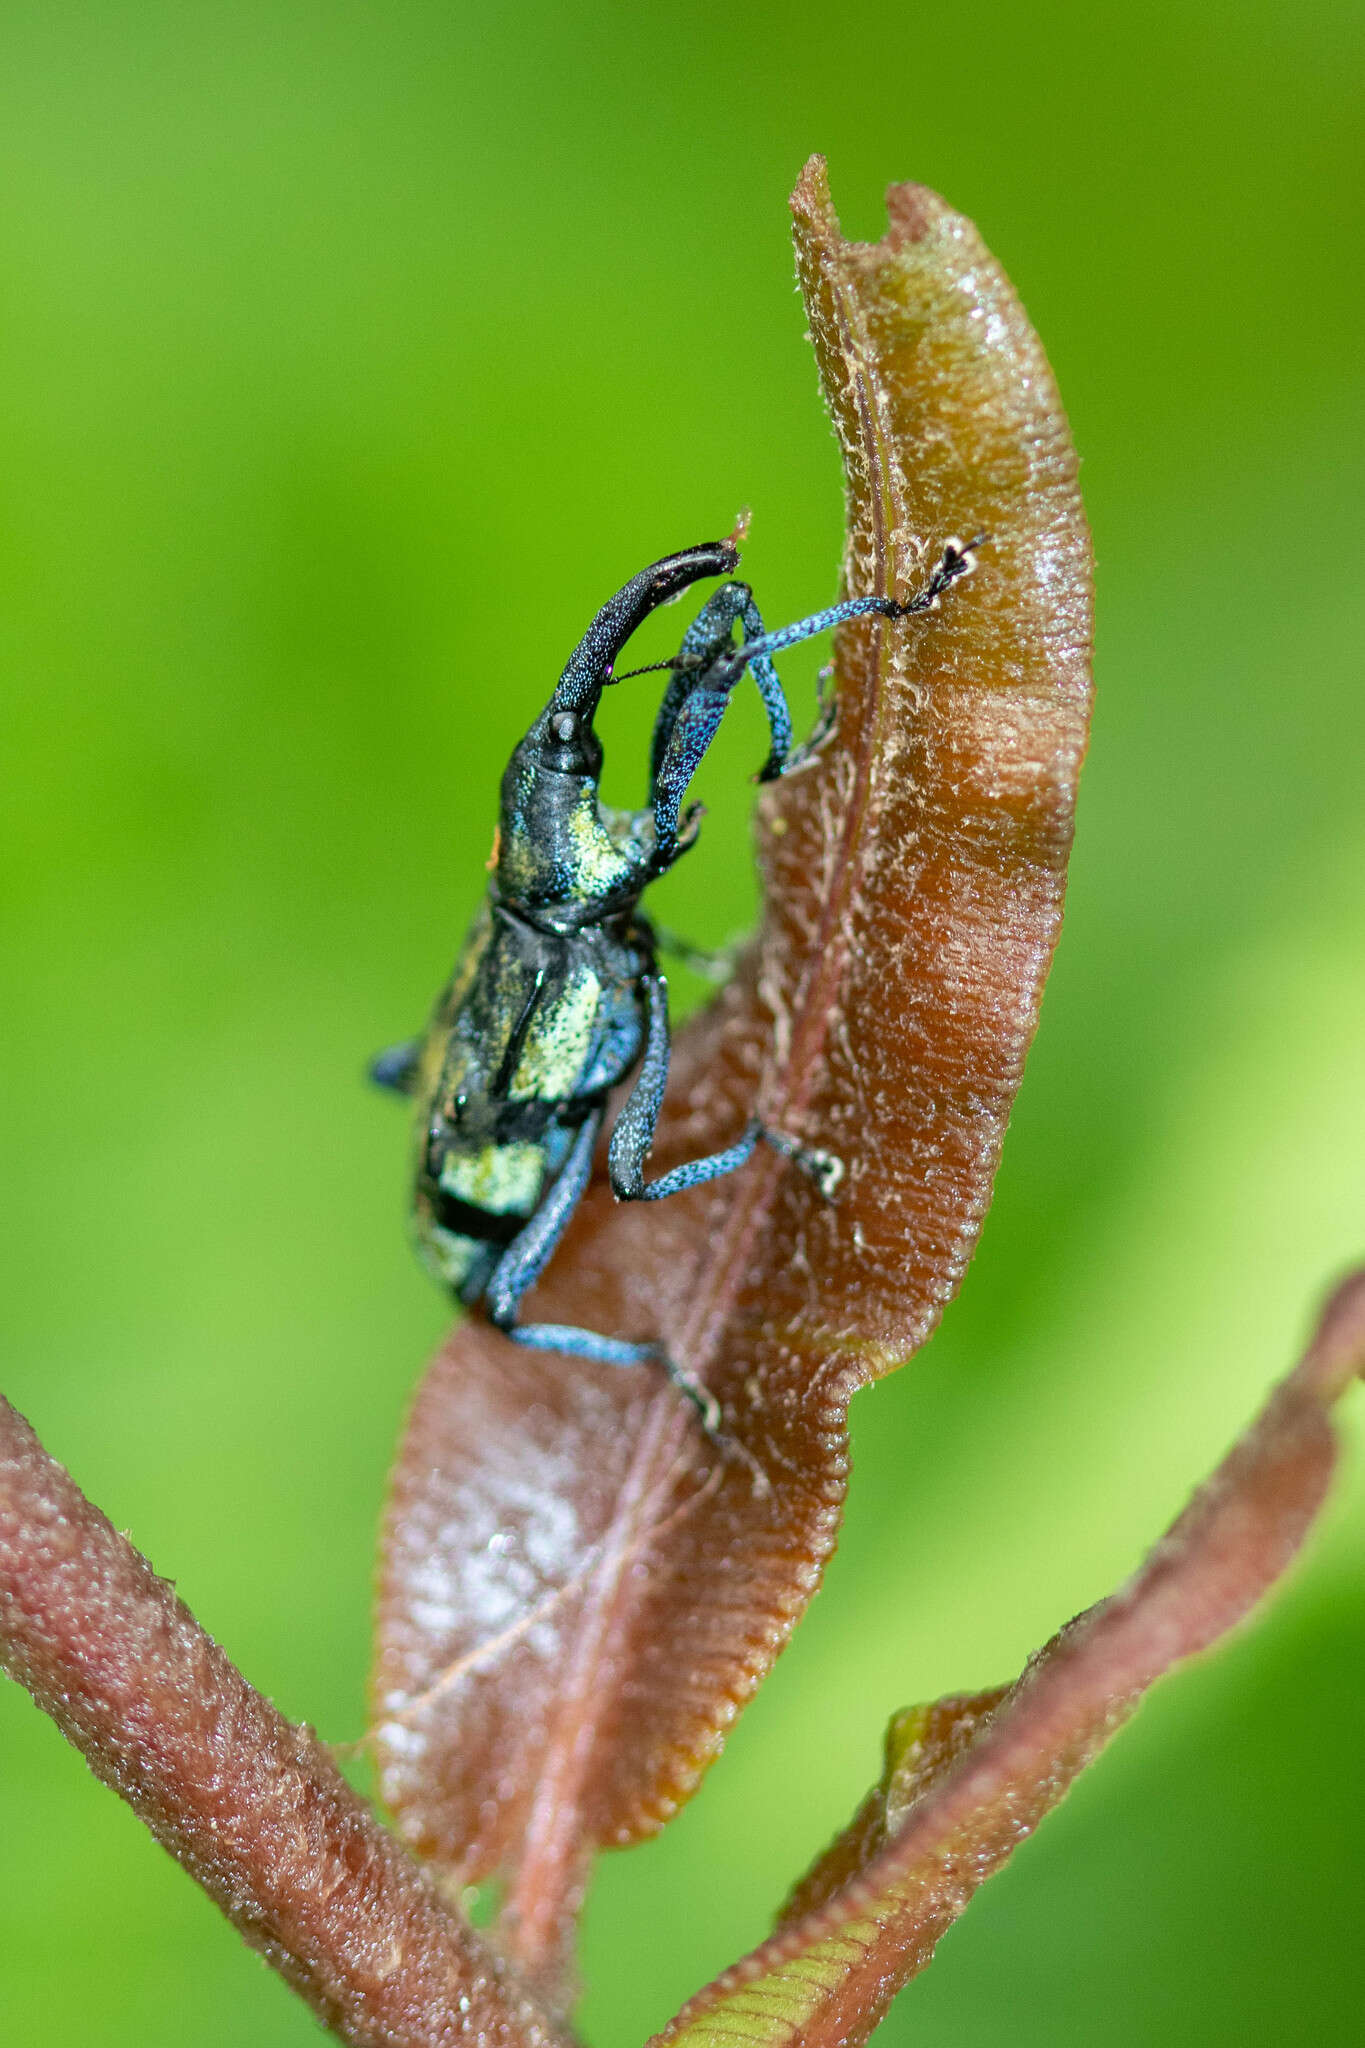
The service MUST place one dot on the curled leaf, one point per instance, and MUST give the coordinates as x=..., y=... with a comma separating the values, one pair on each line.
x=579, y=1590
x=967, y=1780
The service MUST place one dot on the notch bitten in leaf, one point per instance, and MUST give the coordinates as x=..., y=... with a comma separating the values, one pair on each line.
x=579, y=1589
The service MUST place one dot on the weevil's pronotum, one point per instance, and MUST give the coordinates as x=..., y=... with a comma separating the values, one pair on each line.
x=557, y=997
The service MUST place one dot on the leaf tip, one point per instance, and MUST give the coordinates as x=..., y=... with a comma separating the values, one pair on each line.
x=810, y=201
x=1336, y=1354
x=911, y=211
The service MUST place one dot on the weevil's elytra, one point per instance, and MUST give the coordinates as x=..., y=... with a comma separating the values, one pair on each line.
x=557, y=996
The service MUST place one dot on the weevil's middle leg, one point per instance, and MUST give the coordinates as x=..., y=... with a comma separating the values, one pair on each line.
x=826, y=1169
x=634, y=1130
x=633, y=1134
x=713, y=963
x=526, y=1258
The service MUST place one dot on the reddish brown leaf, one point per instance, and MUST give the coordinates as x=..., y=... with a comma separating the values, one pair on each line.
x=579, y=1591
x=871, y=1912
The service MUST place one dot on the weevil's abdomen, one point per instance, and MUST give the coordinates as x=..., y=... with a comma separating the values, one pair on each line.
x=534, y=1027
x=458, y=1261
x=480, y=1201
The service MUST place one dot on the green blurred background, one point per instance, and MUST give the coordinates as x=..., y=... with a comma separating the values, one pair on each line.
x=350, y=356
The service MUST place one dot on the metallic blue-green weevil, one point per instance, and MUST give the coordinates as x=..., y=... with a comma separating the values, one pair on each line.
x=557, y=997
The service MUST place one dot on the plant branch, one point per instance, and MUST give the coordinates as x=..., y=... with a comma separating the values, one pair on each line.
x=250, y=1805
x=970, y=1778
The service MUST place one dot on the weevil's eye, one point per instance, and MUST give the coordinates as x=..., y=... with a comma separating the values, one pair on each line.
x=570, y=744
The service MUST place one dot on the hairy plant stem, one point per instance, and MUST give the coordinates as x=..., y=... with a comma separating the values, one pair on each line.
x=252, y=1806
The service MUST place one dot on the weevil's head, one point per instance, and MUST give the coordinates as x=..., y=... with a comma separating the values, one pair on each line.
x=558, y=848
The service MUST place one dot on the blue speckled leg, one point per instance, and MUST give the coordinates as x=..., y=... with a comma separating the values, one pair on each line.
x=526, y=1259
x=695, y=726
x=706, y=637
x=709, y=667
x=759, y=648
x=699, y=690
x=634, y=1131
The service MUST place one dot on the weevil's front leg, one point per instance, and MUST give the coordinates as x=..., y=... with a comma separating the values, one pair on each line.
x=956, y=561
x=826, y=717
x=694, y=728
x=704, y=639
x=774, y=698
x=704, y=676
x=526, y=1258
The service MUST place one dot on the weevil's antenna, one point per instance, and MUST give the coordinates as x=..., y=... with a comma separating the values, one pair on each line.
x=674, y=661
x=589, y=666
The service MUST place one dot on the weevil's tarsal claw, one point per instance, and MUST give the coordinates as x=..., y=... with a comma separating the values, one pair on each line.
x=709, y=1414
x=705, y=1402
x=396, y=1067
x=958, y=560
x=826, y=1169
x=589, y=666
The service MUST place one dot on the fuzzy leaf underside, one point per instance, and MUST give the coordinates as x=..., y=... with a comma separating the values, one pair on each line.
x=578, y=1590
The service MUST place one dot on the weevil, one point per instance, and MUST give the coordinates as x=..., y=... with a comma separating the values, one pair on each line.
x=557, y=998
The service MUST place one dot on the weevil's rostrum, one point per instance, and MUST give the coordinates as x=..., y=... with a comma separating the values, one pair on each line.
x=557, y=997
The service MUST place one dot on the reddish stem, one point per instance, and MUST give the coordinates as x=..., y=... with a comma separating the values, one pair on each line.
x=251, y=1806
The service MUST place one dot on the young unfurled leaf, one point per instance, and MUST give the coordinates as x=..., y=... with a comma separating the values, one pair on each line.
x=579, y=1589
x=922, y=1745
x=969, y=1779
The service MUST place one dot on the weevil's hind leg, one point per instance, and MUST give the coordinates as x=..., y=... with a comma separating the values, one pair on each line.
x=634, y=1130
x=587, y=1344
x=526, y=1258
x=635, y=1126
x=396, y=1067
x=531, y=1250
